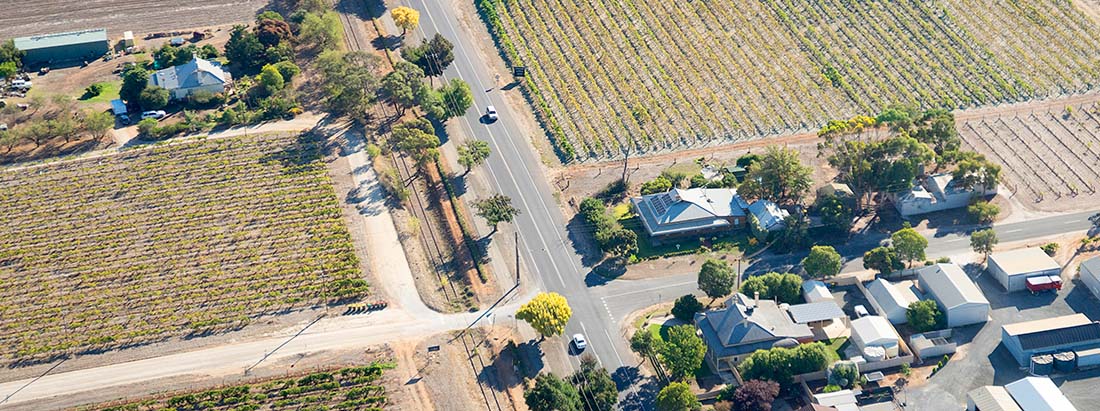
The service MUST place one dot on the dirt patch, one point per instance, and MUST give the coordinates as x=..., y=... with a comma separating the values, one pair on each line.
x=452, y=379
x=139, y=16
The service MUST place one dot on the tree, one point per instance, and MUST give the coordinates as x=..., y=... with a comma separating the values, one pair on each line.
x=147, y=127
x=134, y=80
x=683, y=351
x=473, y=153
x=823, y=262
x=349, y=81
x=595, y=384
x=404, y=86
x=97, y=123
x=9, y=139
x=287, y=69
x=716, y=278
x=244, y=49
x=417, y=139
x=983, y=212
x=456, y=98
x=677, y=396
x=779, y=176
x=924, y=316
x=780, y=364
x=271, y=79
x=844, y=374
x=909, y=244
x=322, y=31
x=882, y=259
x=657, y=185
x=10, y=54
x=432, y=56
x=496, y=209
x=547, y=313
x=551, y=393
x=8, y=69
x=983, y=242
x=406, y=18
x=835, y=213
x=685, y=308
x=644, y=343
x=785, y=287
x=153, y=98
x=272, y=32
x=618, y=241
x=755, y=395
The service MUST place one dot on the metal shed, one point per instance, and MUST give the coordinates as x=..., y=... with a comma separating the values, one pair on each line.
x=1012, y=268
x=59, y=48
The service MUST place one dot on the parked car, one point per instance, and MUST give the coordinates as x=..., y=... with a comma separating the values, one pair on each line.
x=155, y=114
x=124, y=119
x=491, y=113
x=21, y=84
x=579, y=342
x=3, y=126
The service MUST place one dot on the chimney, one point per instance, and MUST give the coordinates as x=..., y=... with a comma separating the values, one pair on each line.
x=756, y=299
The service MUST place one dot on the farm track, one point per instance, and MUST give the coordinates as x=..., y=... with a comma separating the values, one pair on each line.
x=26, y=17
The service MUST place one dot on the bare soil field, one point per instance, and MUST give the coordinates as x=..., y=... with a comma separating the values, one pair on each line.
x=25, y=17
x=1050, y=155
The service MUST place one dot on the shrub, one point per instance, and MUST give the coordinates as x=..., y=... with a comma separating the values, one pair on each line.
x=843, y=374
x=785, y=287
x=983, y=212
x=93, y=90
x=925, y=316
x=1050, y=248
x=685, y=308
x=657, y=185
x=831, y=388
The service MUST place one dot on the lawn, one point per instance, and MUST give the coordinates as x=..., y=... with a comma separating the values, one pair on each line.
x=168, y=241
x=661, y=331
x=836, y=348
x=738, y=242
x=108, y=93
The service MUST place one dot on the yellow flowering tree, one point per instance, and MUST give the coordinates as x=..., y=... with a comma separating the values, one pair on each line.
x=406, y=18
x=547, y=313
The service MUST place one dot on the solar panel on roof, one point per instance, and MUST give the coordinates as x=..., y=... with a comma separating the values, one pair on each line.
x=1061, y=336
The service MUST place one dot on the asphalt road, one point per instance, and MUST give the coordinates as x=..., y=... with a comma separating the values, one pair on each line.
x=514, y=171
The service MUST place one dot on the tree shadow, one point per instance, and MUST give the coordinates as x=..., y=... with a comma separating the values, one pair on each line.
x=390, y=42
x=609, y=269
x=530, y=355
x=458, y=183
x=644, y=395
x=580, y=235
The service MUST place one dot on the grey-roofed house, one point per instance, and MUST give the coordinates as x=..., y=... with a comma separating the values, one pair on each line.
x=693, y=211
x=936, y=193
x=815, y=312
x=188, y=78
x=69, y=47
x=960, y=300
x=894, y=299
x=1090, y=275
x=745, y=325
x=769, y=217
x=1049, y=335
x=1013, y=268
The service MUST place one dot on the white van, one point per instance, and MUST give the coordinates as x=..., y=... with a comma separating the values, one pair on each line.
x=21, y=84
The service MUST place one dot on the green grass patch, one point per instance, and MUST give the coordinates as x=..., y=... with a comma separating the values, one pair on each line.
x=687, y=168
x=836, y=348
x=736, y=242
x=622, y=211
x=108, y=93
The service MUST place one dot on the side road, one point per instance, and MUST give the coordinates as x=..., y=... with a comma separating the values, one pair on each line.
x=406, y=317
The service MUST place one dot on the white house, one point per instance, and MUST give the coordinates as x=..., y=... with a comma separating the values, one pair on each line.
x=690, y=212
x=1038, y=394
x=959, y=299
x=937, y=193
x=1090, y=275
x=875, y=331
x=893, y=300
x=815, y=291
x=1012, y=268
x=195, y=75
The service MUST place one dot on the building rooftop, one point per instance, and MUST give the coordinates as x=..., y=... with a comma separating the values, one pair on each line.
x=1046, y=324
x=815, y=290
x=744, y=326
x=195, y=73
x=874, y=329
x=768, y=214
x=686, y=210
x=60, y=39
x=993, y=398
x=951, y=286
x=1054, y=332
x=1092, y=265
x=811, y=312
x=890, y=296
x=1038, y=394
x=1024, y=260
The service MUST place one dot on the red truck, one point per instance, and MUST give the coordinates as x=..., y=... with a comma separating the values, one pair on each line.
x=1043, y=283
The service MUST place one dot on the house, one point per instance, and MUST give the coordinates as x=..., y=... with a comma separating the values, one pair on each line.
x=1090, y=275
x=990, y=398
x=958, y=298
x=1049, y=335
x=815, y=291
x=843, y=400
x=769, y=217
x=195, y=75
x=69, y=47
x=745, y=325
x=875, y=331
x=839, y=190
x=1013, y=268
x=825, y=319
x=690, y=212
x=893, y=299
x=936, y=193
x=1038, y=394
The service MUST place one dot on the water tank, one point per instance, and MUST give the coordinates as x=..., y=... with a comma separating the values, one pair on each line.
x=1065, y=362
x=1042, y=364
x=874, y=354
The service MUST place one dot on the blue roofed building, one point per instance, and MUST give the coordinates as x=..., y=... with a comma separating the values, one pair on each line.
x=695, y=211
x=744, y=326
x=1050, y=335
x=195, y=75
x=61, y=48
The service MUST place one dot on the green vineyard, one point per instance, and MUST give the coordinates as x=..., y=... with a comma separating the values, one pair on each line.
x=174, y=240
x=355, y=388
x=609, y=77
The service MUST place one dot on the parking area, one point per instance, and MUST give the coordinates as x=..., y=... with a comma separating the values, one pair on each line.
x=981, y=360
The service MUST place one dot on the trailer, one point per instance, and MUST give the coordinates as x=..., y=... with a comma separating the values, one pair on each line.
x=1044, y=283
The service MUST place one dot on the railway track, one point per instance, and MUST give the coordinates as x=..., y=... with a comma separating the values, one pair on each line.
x=442, y=262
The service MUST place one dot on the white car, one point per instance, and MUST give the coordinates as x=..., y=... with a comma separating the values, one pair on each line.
x=21, y=84
x=579, y=342
x=491, y=113
x=157, y=114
